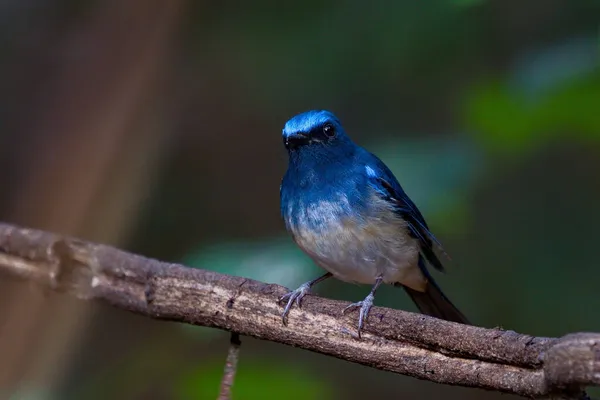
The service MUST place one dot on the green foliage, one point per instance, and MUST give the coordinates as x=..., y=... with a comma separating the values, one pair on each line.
x=260, y=380
x=467, y=3
x=509, y=122
x=319, y=47
x=276, y=260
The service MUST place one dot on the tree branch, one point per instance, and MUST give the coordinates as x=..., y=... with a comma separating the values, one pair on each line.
x=394, y=340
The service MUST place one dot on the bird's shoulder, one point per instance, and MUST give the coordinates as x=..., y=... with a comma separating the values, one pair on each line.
x=376, y=171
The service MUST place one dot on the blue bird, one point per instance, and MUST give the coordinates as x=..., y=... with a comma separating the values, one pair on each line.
x=346, y=210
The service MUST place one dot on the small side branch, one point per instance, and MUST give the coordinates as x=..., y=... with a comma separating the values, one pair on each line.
x=230, y=367
x=393, y=340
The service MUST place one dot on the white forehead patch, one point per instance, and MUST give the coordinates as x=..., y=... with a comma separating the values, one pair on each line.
x=370, y=171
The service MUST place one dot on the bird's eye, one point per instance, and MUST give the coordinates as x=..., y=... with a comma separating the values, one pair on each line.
x=328, y=130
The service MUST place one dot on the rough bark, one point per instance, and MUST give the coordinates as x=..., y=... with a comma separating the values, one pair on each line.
x=393, y=340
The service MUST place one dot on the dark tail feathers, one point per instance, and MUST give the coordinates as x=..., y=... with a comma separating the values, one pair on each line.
x=433, y=302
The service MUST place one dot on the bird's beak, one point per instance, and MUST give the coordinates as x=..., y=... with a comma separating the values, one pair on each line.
x=296, y=139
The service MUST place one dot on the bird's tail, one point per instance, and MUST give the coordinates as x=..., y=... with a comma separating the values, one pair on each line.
x=433, y=302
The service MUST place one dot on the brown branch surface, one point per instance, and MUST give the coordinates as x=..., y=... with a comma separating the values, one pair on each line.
x=394, y=340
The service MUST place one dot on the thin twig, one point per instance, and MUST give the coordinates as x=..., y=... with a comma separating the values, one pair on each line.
x=393, y=340
x=230, y=367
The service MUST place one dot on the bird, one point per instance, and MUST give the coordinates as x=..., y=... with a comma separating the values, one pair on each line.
x=346, y=210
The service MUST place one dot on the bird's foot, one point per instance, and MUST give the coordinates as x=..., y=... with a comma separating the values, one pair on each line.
x=365, y=307
x=295, y=295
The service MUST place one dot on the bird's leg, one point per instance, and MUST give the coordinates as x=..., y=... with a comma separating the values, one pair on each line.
x=365, y=305
x=298, y=294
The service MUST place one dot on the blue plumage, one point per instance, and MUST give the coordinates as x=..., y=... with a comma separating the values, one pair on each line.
x=347, y=211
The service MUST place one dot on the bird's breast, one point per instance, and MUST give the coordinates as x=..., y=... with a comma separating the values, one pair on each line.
x=355, y=239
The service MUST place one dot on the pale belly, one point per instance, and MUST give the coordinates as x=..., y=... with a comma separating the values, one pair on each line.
x=360, y=249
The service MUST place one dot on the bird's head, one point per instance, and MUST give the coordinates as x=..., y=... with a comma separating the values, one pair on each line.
x=317, y=130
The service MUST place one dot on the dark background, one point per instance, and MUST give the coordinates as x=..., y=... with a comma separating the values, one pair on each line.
x=155, y=126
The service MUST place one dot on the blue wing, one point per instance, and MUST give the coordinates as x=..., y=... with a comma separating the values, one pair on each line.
x=386, y=184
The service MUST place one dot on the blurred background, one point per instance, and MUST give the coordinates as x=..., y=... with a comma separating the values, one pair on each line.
x=155, y=126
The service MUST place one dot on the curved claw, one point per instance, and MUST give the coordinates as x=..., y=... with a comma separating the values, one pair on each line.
x=365, y=307
x=352, y=306
x=295, y=295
